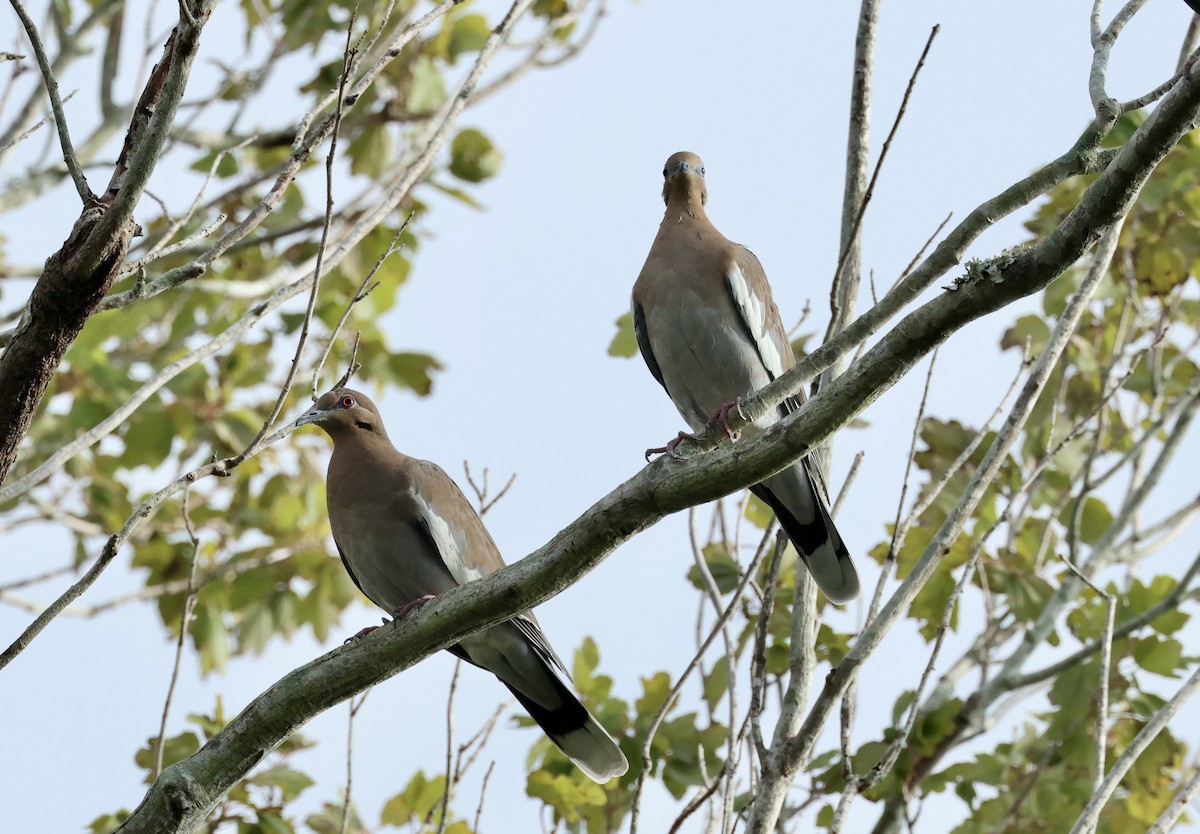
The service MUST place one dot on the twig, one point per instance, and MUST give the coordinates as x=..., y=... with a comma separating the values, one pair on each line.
x=359, y=294
x=844, y=288
x=140, y=264
x=717, y=628
x=348, y=59
x=35, y=126
x=1189, y=42
x=758, y=658
x=355, y=706
x=1102, y=44
x=487, y=774
x=60, y=118
x=481, y=493
x=1168, y=603
x=450, y=774
x=916, y=259
x=189, y=605
x=935, y=490
x=899, y=527
x=887, y=143
x=845, y=490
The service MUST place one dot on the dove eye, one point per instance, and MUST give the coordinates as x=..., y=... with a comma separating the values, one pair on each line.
x=664, y=172
x=347, y=401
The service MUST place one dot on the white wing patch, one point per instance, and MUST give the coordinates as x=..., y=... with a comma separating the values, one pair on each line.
x=754, y=314
x=449, y=546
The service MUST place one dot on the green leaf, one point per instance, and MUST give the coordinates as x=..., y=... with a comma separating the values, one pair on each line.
x=271, y=823
x=370, y=151
x=289, y=781
x=654, y=694
x=211, y=638
x=1093, y=522
x=1031, y=328
x=722, y=567
x=566, y=796
x=468, y=35
x=415, y=801
x=108, y=823
x=624, y=342
x=473, y=157
x=175, y=749
x=414, y=371
x=758, y=513
x=1162, y=657
x=716, y=683
x=428, y=89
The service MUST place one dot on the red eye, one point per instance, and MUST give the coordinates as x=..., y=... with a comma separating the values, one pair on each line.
x=347, y=401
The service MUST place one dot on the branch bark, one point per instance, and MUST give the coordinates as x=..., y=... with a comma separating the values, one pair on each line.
x=77, y=276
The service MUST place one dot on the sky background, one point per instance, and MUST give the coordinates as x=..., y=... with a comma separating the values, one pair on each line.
x=518, y=301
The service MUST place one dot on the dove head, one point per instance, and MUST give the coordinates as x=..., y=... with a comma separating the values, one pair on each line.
x=683, y=179
x=344, y=413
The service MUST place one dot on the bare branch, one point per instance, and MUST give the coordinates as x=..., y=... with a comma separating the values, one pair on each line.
x=56, y=105
x=844, y=289
x=851, y=238
x=189, y=605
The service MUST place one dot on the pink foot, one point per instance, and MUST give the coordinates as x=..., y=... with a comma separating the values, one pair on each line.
x=409, y=606
x=722, y=414
x=364, y=632
x=669, y=449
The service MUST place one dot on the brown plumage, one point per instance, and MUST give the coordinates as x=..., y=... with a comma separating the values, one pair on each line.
x=406, y=532
x=711, y=334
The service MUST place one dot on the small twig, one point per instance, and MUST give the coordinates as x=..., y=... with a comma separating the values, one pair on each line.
x=845, y=490
x=887, y=143
x=355, y=706
x=481, y=493
x=1190, y=38
x=451, y=775
x=917, y=258
x=189, y=605
x=899, y=527
x=487, y=774
x=844, y=289
x=888, y=760
x=37, y=578
x=60, y=119
x=348, y=56
x=717, y=628
x=758, y=657
x=936, y=490
x=29, y=131
x=140, y=264
x=365, y=288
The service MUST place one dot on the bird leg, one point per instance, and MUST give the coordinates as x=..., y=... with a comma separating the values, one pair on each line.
x=722, y=414
x=364, y=632
x=405, y=609
x=669, y=449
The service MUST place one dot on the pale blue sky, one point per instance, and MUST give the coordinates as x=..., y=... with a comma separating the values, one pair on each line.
x=519, y=300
